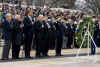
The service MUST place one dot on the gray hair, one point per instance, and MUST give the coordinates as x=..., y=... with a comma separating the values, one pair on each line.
x=8, y=14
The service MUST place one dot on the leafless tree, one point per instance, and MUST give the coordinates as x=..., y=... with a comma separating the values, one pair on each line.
x=94, y=5
x=62, y=3
x=29, y=2
x=54, y=3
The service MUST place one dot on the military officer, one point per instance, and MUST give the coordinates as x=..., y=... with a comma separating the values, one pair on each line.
x=59, y=33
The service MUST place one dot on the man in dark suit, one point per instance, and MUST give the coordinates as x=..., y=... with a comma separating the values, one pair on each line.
x=7, y=36
x=51, y=34
x=28, y=22
x=40, y=29
x=70, y=33
x=67, y=33
x=47, y=34
x=37, y=28
x=96, y=37
x=17, y=36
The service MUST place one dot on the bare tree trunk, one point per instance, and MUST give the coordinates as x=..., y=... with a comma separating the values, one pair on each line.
x=29, y=2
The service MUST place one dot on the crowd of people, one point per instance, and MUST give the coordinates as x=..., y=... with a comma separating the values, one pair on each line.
x=44, y=28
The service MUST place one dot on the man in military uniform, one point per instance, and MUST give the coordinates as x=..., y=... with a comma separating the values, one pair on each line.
x=59, y=33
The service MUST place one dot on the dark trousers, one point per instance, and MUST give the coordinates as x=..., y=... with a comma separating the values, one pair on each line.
x=15, y=51
x=75, y=43
x=46, y=47
x=41, y=47
x=28, y=43
x=38, y=47
x=51, y=39
x=6, y=49
x=59, y=45
x=70, y=41
x=15, y=47
x=93, y=48
x=52, y=43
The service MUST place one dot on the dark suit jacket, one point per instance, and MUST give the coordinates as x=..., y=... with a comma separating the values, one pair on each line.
x=52, y=31
x=40, y=33
x=7, y=30
x=17, y=34
x=27, y=24
x=59, y=29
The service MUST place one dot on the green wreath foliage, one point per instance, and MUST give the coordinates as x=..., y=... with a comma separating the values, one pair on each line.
x=86, y=20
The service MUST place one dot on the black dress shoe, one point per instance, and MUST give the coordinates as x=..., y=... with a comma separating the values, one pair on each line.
x=93, y=53
x=28, y=57
x=45, y=55
x=59, y=55
x=4, y=59
x=15, y=58
x=38, y=56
